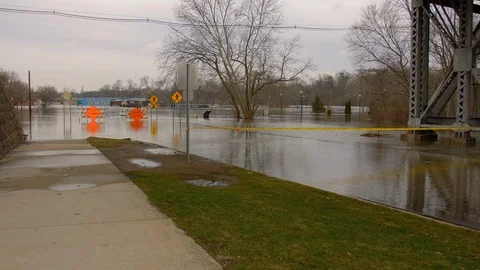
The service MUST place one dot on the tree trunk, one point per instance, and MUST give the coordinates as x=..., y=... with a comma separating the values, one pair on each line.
x=249, y=114
x=235, y=106
x=237, y=113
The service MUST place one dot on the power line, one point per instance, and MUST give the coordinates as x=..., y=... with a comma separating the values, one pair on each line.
x=77, y=12
x=136, y=19
x=131, y=19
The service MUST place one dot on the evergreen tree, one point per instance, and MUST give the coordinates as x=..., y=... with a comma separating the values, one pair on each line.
x=317, y=105
x=348, y=108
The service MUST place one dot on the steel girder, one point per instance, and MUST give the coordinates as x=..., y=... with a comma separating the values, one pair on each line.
x=463, y=68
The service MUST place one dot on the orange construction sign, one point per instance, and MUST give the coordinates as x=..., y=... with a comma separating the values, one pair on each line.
x=93, y=113
x=136, y=114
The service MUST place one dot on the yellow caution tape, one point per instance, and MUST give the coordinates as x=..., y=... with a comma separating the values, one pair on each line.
x=330, y=128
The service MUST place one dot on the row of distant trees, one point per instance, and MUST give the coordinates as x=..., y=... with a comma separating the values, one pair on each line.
x=17, y=90
x=333, y=90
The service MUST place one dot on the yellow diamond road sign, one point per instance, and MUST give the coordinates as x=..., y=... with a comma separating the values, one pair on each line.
x=153, y=106
x=154, y=100
x=177, y=97
x=67, y=95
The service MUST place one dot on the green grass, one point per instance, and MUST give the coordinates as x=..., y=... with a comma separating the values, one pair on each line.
x=107, y=143
x=264, y=223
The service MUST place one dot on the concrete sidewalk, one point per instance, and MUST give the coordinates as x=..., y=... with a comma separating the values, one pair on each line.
x=63, y=205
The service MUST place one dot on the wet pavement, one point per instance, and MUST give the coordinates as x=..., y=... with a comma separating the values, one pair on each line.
x=65, y=206
x=434, y=180
x=52, y=169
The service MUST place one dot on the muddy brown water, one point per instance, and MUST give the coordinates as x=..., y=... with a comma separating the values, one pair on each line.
x=434, y=180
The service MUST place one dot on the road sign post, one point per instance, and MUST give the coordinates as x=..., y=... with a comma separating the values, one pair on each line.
x=187, y=79
x=154, y=105
x=67, y=97
x=188, y=118
x=29, y=105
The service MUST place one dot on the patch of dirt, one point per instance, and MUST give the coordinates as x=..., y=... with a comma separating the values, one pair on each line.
x=374, y=135
x=199, y=167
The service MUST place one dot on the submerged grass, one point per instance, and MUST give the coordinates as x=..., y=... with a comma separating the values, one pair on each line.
x=107, y=143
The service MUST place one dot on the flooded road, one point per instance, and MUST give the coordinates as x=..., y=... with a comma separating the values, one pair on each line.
x=438, y=181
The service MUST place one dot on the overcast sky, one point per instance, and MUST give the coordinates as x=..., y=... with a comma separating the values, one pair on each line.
x=70, y=53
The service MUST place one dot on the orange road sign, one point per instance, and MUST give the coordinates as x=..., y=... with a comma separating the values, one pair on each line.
x=93, y=113
x=136, y=114
x=153, y=99
x=177, y=97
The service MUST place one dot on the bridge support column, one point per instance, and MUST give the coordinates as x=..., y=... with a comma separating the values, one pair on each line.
x=463, y=64
x=418, y=101
x=417, y=61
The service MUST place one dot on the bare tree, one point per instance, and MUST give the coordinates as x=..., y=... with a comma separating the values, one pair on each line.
x=15, y=89
x=381, y=40
x=131, y=85
x=47, y=94
x=239, y=42
x=153, y=86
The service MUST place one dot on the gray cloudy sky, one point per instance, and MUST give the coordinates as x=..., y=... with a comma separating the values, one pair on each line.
x=70, y=53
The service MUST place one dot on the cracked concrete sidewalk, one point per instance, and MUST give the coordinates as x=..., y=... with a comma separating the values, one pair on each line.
x=65, y=206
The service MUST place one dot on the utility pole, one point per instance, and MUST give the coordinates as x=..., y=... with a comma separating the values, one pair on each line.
x=30, y=105
x=188, y=116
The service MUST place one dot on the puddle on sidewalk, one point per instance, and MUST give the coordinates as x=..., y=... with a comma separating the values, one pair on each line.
x=208, y=183
x=67, y=187
x=57, y=153
x=161, y=151
x=145, y=163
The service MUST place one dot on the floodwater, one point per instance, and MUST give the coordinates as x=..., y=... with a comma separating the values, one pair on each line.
x=438, y=181
x=145, y=163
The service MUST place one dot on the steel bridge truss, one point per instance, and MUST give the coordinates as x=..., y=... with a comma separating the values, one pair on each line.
x=464, y=39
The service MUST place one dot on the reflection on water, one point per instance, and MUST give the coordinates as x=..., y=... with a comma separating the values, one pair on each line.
x=93, y=128
x=431, y=180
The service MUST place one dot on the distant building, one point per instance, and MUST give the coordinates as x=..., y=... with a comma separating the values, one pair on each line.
x=130, y=102
x=103, y=101
x=97, y=101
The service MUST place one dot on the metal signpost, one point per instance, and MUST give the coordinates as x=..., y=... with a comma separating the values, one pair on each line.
x=187, y=79
x=67, y=97
x=177, y=97
x=30, y=105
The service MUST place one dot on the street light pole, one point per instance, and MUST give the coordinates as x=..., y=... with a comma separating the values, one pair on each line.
x=359, y=96
x=301, y=104
x=281, y=104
